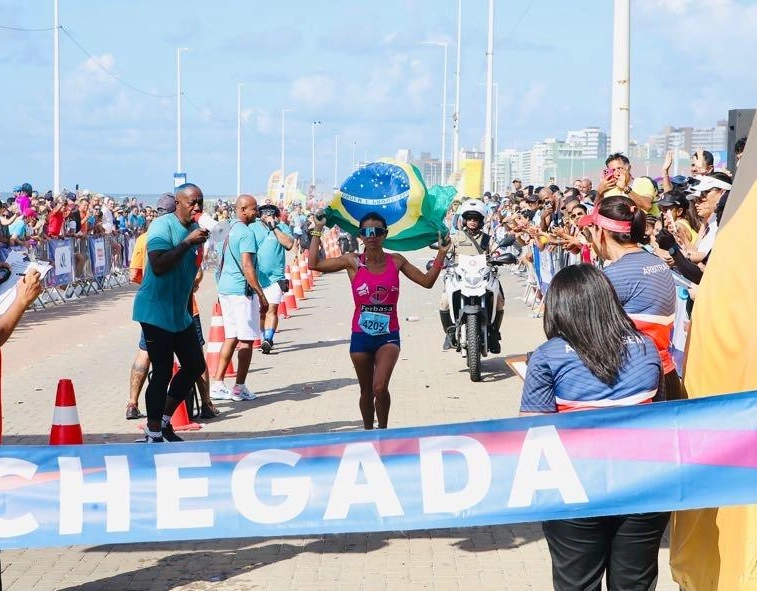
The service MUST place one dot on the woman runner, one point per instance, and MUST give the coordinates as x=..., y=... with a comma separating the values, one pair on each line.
x=374, y=276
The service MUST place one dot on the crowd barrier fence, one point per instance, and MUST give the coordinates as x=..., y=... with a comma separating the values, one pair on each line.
x=81, y=265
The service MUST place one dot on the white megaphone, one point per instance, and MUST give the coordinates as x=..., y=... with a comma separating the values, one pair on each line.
x=218, y=230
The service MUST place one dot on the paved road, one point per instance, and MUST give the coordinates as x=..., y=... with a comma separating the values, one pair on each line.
x=307, y=385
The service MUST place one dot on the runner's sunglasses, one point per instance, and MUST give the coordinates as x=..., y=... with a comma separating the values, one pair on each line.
x=370, y=232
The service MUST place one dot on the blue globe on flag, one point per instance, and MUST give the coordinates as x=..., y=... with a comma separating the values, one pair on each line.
x=396, y=191
x=379, y=187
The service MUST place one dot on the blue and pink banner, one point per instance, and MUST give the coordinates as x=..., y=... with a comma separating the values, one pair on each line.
x=655, y=457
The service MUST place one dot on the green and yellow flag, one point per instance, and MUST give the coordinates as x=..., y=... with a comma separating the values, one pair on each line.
x=395, y=190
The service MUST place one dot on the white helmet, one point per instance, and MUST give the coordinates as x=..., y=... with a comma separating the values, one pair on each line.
x=472, y=207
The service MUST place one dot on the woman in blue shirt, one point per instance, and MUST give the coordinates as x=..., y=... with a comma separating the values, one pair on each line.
x=595, y=358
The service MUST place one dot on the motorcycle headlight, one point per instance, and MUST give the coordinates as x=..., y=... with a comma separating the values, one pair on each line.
x=472, y=279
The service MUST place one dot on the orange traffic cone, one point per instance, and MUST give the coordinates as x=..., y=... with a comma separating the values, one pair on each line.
x=304, y=276
x=291, y=301
x=297, y=283
x=216, y=337
x=180, y=419
x=66, y=429
x=282, y=309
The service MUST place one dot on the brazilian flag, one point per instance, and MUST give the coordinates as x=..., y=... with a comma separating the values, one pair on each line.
x=395, y=190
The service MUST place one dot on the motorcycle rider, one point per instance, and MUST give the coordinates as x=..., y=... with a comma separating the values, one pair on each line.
x=472, y=241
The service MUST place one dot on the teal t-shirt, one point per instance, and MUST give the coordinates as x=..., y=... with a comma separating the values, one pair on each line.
x=231, y=280
x=162, y=300
x=271, y=258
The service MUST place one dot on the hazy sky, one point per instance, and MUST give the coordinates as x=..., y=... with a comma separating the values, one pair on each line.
x=357, y=66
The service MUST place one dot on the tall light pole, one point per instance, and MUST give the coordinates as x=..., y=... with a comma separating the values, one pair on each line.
x=239, y=137
x=283, y=112
x=444, y=110
x=56, y=103
x=312, y=156
x=336, y=162
x=621, y=76
x=456, y=116
x=178, y=107
x=489, y=88
x=496, y=131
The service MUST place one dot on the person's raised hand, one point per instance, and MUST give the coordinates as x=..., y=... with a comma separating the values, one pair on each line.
x=444, y=242
x=668, y=162
x=320, y=220
x=30, y=287
x=665, y=239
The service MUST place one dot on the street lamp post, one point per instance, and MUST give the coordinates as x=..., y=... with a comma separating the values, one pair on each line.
x=56, y=103
x=178, y=107
x=444, y=109
x=281, y=194
x=239, y=138
x=456, y=116
x=312, y=158
x=496, y=132
x=489, y=82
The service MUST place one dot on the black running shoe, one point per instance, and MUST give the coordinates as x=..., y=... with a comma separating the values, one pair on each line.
x=169, y=434
x=151, y=438
x=266, y=346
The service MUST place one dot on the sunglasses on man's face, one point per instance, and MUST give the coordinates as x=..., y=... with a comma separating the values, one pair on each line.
x=371, y=231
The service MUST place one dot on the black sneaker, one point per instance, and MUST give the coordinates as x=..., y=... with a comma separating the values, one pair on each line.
x=266, y=347
x=151, y=438
x=209, y=412
x=169, y=434
x=132, y=412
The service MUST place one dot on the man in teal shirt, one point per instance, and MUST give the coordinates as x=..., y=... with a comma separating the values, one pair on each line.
x=241, y=306
x=161, y=306
x=274, y=239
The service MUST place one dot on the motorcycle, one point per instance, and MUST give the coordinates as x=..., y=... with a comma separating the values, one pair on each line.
x=347, y=243
x=472, y=287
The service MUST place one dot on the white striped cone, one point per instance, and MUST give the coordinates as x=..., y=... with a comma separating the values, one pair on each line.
x=65, y=429
x=216, y=336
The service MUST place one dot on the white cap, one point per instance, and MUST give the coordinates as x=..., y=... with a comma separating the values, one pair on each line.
x=705, y=184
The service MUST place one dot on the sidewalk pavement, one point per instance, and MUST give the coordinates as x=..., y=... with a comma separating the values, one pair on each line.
x=307, y=385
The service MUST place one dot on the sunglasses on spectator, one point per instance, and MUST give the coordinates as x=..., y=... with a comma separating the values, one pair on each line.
x=370, y=232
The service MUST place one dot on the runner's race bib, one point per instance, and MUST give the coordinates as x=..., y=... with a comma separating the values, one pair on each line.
x=374, y=323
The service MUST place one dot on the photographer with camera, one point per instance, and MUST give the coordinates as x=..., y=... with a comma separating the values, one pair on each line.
x=274, y=238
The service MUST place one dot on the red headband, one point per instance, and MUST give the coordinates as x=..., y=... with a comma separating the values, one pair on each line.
x=596, y=219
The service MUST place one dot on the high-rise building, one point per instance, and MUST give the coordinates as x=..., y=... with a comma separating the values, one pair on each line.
x=714, y=139
x=593, y=141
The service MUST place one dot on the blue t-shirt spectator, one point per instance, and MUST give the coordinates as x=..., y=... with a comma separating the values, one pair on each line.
x=162, y=300
x=18, y=229
x=558, y=381
x=231, y=280
x=271, y=257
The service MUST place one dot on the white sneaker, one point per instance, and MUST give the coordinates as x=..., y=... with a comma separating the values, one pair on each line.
x=241, y=393
x=219, y=391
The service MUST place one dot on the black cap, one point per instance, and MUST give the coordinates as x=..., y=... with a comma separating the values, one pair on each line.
x=674, y=199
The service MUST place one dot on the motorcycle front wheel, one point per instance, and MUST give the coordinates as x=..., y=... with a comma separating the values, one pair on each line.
x=473, y=340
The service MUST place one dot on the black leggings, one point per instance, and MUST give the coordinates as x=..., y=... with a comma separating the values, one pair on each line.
x=161, y=347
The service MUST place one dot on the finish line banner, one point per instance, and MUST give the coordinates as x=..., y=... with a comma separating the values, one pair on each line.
x=655, y=457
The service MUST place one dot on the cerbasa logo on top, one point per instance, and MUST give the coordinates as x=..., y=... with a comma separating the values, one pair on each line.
x=621, y=460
